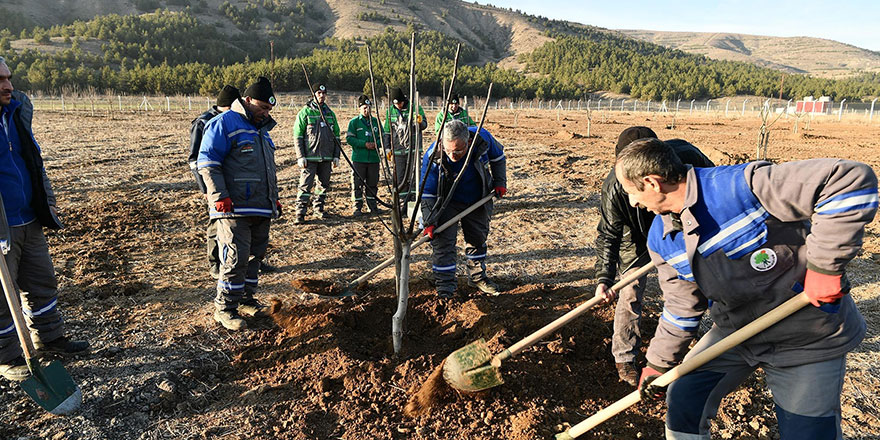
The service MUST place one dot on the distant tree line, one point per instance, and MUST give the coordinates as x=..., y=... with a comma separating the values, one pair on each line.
x=173, y=53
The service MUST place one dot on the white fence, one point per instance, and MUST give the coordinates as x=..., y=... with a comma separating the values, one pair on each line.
x=724, y=107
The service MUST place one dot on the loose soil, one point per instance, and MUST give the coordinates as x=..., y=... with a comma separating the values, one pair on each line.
x=133, y=280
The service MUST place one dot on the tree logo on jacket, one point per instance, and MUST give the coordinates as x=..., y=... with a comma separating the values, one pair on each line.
x=763, y=260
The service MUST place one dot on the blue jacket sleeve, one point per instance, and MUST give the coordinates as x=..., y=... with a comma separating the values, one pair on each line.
x=212, y=153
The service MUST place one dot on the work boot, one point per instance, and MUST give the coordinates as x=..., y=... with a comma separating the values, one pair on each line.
x=267, y=268
x=15, y=370
x=627, y=373
x=230, y=320
x=62, y=345
x=300, y=219
x=485, y=285
x=253, y=308
x=445, y=292
x=320, y=214
x=356, y=212
x=215, y=272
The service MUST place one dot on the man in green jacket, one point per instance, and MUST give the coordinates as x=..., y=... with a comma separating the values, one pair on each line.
x=396, y=133
x=363, y=134
x=317, y=151
x=455, y=112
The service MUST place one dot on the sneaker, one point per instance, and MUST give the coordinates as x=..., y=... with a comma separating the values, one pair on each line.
x=15, y=370
x=267, y=268
x=485, y=285
x=230, y=320
x=62, y=345
x=253, y=308
x=627, y=373
x=300, y=219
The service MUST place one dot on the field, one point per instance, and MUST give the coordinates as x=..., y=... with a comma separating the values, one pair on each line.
x=133, y=280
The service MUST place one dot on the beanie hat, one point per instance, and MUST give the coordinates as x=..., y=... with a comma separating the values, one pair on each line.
x=261, y=90
x=453, y=99
x=321, y=88
x=227, y=96
x=632, y=134
x=364, y=100
x=397, y=95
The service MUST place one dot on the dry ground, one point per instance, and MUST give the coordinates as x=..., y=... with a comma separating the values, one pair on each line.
x=134, y=282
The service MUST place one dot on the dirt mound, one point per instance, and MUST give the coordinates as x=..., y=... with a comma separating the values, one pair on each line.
x=335, y=362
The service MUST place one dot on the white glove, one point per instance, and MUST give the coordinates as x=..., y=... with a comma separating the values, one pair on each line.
x=335, y=162
x=302, y=162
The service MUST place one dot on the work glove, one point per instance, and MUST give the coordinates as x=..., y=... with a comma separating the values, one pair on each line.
x=302, y=162
x=822, y=288
x=419, y=119
x=335, y=162
x=389, y=155
x=500, y=191
x=646, y=390
x=223, y=205
x=429, y=231
x=605, y=292
x=278, y=205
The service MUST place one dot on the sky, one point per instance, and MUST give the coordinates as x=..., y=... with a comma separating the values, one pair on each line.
x=853, y=22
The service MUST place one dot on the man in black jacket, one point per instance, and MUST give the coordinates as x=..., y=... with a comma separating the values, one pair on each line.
x=29, y=204
x=224, y=101
x=622, y=243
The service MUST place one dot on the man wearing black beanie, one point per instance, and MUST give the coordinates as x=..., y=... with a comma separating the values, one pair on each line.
x=454, y=112
x=395, y=133
x=224, y=100
x=622, y=243
x=237, y=162
x=317, y=150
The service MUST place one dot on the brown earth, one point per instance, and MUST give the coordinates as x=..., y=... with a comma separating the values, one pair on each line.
x=133, y=281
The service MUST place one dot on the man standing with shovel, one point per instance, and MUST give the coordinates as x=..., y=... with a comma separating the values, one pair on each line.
x=742, y=240
x=29, y=203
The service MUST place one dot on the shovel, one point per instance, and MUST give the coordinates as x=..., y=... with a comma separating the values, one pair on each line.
x=350, y=288
x=50, y=386
x=772, y=317
x=474, y=368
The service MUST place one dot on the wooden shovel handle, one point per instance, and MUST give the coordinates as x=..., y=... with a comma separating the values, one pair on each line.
x=530, y=340
x=772, y=317
x=15, y=308
x=372, y=272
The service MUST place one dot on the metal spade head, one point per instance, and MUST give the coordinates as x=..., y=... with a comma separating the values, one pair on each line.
x=469, y=368
x=52, y=388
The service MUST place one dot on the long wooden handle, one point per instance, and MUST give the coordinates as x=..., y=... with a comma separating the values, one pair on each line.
x=530, y=340
x=372, y=272
x=15, y=308
x=772, y=317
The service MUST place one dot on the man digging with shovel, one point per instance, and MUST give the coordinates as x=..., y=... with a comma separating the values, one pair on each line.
x=742, y=240
x=482, y=172
x=621, y=242
x=29, y=203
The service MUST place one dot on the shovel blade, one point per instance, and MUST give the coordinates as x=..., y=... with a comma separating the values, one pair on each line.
x=53, y=388
x=468, y=368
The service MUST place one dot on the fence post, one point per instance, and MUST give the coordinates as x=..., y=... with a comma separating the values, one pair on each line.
x=707, y=106
x=63, y=108
x=692, y=106
x=871, y=116
x=636, y=105
x=622, y=101
x=648, y=109
x=599, y=105
x=610, y=104
x=743, y=113
x=677, y=104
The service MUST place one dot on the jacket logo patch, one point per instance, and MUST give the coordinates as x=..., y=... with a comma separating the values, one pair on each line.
x=763, y=259
x=247, y=148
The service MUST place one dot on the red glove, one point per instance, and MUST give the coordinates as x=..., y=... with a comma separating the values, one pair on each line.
x=278, y=205
x=429, y=231
x=646, y=390
x=821, y=288
x=223, y=205
x=500, y=191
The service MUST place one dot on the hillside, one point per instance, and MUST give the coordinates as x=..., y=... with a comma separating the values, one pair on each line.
x=814, y=56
